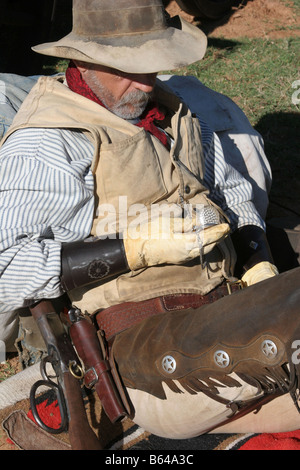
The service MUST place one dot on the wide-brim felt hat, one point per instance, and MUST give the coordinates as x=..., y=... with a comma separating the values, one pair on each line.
x=134, y=36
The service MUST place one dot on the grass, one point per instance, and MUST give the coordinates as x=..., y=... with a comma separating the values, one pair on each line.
x=256, y=73
x=10, y=367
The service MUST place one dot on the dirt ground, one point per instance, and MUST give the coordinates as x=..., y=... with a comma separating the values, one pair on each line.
x=254, y=18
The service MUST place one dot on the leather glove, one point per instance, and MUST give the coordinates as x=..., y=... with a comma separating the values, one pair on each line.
x=170, y=241
x=259, y=272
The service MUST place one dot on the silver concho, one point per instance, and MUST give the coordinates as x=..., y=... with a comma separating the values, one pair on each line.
x=221, y=358
x=269, y=348
x=168, y=364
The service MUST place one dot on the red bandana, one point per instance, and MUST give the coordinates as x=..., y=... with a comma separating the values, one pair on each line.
x=151, y=113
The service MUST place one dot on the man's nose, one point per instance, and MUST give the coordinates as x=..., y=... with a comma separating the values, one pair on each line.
x=144, y=82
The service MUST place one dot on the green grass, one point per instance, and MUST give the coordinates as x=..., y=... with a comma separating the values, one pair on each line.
x=256, y=73
x=9, y=367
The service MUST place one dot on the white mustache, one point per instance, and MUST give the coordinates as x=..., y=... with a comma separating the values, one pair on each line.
x=137, y=100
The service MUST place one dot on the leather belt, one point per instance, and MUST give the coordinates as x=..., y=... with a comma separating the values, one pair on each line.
x=117, y=318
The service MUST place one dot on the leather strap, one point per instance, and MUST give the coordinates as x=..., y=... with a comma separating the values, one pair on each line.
x=92, y=375
x=115, y=319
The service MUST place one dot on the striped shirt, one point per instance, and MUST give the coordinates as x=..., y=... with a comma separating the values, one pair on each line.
x=47, y=198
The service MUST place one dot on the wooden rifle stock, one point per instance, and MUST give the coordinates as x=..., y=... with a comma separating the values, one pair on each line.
x=80, y=434
x=61, y=355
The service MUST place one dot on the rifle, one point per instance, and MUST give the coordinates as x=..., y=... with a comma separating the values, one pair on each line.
x=68, y=371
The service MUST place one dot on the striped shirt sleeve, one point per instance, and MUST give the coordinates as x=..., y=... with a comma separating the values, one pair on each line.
x=46, y=198
x=227, y=187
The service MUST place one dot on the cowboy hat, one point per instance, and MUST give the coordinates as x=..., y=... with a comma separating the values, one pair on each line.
x=133, y=36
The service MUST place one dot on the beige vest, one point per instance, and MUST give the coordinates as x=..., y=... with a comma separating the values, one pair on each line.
x=132, y=167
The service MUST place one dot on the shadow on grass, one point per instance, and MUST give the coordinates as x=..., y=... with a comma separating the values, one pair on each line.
x=219, y=43
x=280, y=132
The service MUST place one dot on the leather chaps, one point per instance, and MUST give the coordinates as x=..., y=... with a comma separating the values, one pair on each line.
x=250, y=338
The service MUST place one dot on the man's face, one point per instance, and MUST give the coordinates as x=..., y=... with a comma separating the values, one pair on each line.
x=125, y=95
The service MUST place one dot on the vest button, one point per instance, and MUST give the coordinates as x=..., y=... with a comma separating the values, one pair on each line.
x=187, y=189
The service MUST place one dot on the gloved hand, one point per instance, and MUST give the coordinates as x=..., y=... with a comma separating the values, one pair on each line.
x=169, y=240
x=259, y=272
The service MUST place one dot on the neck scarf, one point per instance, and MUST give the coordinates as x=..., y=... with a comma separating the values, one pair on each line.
x=147, y=120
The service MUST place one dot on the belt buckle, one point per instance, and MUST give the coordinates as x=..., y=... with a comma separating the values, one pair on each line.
x=239, y=283
x=90, y=378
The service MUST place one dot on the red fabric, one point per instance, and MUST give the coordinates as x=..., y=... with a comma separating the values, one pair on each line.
x=49, y=414
x=78, y=85
x=9, y=441
x=152, y=113
x=275, y=441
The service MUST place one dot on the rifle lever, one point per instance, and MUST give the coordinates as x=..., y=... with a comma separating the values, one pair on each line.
x=61, y=404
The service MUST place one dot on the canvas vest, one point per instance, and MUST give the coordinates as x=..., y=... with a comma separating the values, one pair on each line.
x=133, y=169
